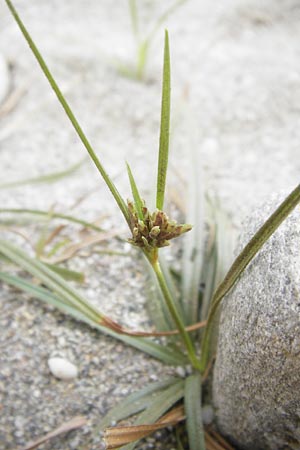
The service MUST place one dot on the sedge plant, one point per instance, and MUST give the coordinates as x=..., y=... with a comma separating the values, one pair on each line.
x=170, y=401
x=143, y=41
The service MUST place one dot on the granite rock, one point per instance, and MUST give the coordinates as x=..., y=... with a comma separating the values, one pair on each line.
x=256, y=385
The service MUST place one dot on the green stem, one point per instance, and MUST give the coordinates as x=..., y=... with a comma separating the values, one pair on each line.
x=69, y=112
x=174, y=313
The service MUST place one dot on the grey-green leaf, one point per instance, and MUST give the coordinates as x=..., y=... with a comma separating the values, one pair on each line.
x=164, y=128
x=135, y=193
x=192, y=408
x=48, y=215
x=137, y=401
x=159, y=406
x=162, y=353
x=47, y=178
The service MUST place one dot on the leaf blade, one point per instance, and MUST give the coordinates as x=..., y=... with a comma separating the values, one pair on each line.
x=159, y=407
x=47, y=178
x=135, y=193
x=65, y=105
x=192, y=407
x=50, y=215
x=164, y=127
x=162, y=353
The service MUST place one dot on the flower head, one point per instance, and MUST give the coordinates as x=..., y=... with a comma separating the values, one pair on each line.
x=153, y=230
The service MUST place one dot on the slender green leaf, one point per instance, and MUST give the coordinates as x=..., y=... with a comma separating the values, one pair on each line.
x=119, y=200
x=49, y=214
x=142, y=55
x=162, y=353
x=163, y=17
x=242, y=261
x=135, y=193
x=178, y=440
x=192, y=260
x=47, y=178
x=67, y=274
x=192, y=407
x=164, y=128
x=40, y=293
x=58, y=246
x=52, y=280
x=219, y=254
x=136, y=402
x=159, y=406
x=134, y=17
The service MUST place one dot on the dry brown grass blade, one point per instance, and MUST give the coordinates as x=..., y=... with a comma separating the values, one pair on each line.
x=19, y=233
x=12, y=100
x=72, y=249
x=214, y=441
x=107, y=322
x=72, y=424
x=116, y=437
x=54, y=234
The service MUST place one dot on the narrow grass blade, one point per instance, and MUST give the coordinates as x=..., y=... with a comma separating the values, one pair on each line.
x=44, y=179
x=51, y=214
x=136, y=402
x=135, y=193
x=192, y=407
x=67, y=274
x=119, y=200
x=115, y=437
x=142, y=55
x=40, y=293
x=158, y=407
x=134, y=17
x=164, y=128
x=52, y=280
x=219, y=255
x=162, y=353
x=193, y=249
x=178, y=440
x=163, y=17
x=241, y=262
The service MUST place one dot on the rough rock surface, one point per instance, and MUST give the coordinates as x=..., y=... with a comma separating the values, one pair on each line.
x=256, y=377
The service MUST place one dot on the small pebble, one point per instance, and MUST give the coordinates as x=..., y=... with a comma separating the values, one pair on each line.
x=62, y=368
x=180, y=371
x=207, y=414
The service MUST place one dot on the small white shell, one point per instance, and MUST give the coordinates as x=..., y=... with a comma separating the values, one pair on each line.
x=62, y=368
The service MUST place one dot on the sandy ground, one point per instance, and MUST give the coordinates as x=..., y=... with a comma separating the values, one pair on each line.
x=235, y=96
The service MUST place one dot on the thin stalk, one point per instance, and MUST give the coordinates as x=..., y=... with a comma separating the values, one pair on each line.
x=120, y=202
x=174, y=313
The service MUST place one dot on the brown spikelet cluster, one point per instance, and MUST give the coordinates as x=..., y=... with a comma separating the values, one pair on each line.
x=153, y=230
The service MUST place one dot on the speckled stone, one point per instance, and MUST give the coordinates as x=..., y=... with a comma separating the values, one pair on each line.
x=256, y=385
